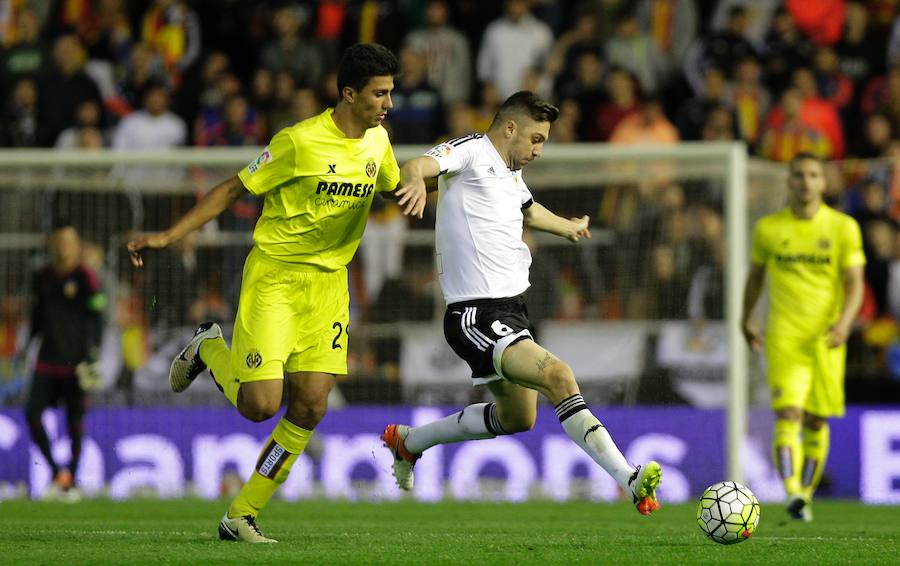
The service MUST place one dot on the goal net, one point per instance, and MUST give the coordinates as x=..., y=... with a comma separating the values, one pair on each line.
x=644, y=311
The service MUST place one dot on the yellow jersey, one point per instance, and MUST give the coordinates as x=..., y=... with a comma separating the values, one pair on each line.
x=319, y=185
x=805, y=260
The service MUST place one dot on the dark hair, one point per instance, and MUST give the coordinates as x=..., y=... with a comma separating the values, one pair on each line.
x=363, y=61
x=528, y=103
x=60, y=223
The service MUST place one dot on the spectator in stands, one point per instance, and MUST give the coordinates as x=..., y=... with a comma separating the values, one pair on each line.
x=63, y=89
x=460, y=119
x=758, y=15
x=818, y=112
x=511, y=46
x=144, y=68
x=584, y=38
x=27, y=56
x=750, y=100
x=719, y=125
x=706, y=295
x=209, y=93
x=820, y=21
x=379, y=21
x=721, y=48
x=447, y=53
x=418, y=115
x=786, y=49
x=792, y=136
x=154, y=127
x=670, y=286
x=174, y=32
x=382, y=248
x=833, y=85
x=694, y=112
x=623, y=93
x=110, y=38
x=860, y=53
x=262, y=91
x=238, y=125
x=90, y=138
x=19, y=119
x=173, y=278
x=673, y=25
x=877, y=136
x=281, y=112
x=488, y=104
x=893, y=289
x=305, y=104
x=567, y=125
x=87, y=115
x=878, y=238
x=290, y=50
x=586, y=91
x=648, y=126
x=636, y=51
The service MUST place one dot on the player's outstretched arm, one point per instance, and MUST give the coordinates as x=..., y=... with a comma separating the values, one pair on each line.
x=540, y=218
x=752, y=290
x=211, y=205
x=416, y=179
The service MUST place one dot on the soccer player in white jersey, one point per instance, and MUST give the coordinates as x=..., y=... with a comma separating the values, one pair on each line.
x=483, y=267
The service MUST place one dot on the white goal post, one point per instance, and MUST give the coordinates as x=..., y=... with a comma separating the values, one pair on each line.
x=563, y=166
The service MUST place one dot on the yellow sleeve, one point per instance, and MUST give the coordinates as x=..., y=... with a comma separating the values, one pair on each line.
x=759, y=255
x=852, y=254
x=274, y=166
x=389, y=172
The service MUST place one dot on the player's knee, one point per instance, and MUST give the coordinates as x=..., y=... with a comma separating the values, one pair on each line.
x=258, y=410
x=560, y=380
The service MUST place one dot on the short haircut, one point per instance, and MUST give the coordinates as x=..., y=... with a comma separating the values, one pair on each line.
x=527, y=103
x=805, y=156
x=60, y=223
x=363, y=61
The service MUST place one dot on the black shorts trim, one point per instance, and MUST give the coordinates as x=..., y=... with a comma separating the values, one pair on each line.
x=476, y=329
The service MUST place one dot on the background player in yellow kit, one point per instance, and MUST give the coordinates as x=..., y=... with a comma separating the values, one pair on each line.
x=319, y=177
x=814, y=259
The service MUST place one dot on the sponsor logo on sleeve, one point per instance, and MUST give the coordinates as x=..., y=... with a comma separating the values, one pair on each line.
x=442, y=150
x=264, y=157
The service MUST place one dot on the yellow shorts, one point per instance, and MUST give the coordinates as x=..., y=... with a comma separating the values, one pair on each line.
x=289, y=319
x=806, y=374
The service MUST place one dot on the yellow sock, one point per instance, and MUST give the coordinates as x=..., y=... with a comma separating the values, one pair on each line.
x=275, y=461
x=815, y=453
x=216, y=355
x=788, y=454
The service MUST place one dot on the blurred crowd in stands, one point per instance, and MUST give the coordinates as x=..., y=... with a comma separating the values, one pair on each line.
x=783, y=76
x=780, y=75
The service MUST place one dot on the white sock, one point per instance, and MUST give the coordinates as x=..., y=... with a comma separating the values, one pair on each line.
x=590, y=434
x=472, y=423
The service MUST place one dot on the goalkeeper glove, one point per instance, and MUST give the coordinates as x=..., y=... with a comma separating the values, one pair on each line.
x=89, y=376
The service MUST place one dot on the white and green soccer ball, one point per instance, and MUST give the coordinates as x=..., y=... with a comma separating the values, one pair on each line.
x=728, y=512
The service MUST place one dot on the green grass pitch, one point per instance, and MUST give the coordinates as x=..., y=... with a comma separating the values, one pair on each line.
x=323, y=532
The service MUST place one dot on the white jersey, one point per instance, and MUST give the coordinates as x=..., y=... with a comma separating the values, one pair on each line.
x=479, y=249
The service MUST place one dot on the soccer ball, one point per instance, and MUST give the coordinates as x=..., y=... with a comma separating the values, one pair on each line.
x=728, y=512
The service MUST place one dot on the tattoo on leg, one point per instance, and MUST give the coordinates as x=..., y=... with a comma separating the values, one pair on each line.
x=548, y=361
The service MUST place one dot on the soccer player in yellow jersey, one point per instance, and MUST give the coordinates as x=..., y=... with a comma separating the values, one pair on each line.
x=814, y=260
x=319, y=177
